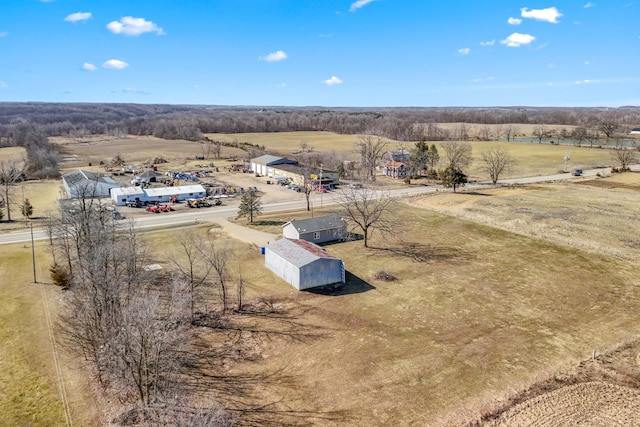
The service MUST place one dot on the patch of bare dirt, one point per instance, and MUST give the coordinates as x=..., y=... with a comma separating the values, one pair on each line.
x=602, y=391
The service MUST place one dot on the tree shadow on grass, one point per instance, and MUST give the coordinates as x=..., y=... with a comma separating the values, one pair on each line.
x=353, y=285
x=254, y=395
x=265, y=223
x=424, y=253
x=476, y=193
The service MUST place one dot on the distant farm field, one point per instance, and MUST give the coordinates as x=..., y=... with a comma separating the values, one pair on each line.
x=287, y=142
x=531, y=158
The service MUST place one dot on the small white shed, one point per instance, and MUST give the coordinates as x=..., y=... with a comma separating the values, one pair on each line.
x=303, y=264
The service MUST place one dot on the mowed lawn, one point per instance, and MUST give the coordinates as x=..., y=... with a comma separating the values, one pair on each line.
x=476, y=313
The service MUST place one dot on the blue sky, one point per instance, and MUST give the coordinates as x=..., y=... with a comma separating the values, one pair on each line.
x=332, y=53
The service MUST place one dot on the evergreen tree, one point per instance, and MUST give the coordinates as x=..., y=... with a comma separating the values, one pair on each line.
x=27, y=209
x=250, y=205
x=452, y=176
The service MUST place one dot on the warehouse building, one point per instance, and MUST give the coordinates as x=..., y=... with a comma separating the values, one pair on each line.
x=303, y=264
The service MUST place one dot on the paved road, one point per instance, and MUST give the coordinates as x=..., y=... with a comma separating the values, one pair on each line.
x=219, y=213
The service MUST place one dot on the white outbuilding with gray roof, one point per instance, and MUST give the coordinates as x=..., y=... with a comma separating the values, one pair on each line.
x=122, y=196
x=303, y=264
x=321, y=229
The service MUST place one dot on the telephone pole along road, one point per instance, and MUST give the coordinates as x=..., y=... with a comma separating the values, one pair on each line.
x=218, y=214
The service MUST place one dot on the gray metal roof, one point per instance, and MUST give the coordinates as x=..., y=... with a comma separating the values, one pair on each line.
x=321, y=223
x=270, y=160
x=74, y=178
x=299, y=252
x=265, y=159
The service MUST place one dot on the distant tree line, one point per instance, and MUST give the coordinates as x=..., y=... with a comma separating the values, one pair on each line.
x=402, y=124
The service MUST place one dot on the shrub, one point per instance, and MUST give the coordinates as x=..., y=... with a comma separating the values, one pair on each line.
x=407, y=180
x=385, y=276
x=60, y=276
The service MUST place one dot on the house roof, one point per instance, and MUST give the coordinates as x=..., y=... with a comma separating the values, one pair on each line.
x=299, y=252
x=76, y=177
x=321, y=223
x=270, y=160
x=394, y=164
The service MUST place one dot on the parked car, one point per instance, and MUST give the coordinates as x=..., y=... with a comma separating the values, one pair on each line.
x=577, y=172
x=356, y=185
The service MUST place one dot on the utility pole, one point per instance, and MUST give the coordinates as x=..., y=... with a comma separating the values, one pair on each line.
x=33, y=254
x=321, y=186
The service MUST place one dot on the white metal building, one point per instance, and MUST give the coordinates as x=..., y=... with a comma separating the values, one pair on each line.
x=264, y=165
x=85, y=184
x=122, y=196
x=303, y=264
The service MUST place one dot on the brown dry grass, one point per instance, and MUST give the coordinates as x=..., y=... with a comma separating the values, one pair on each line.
x=484, y=304
x=476, y=312
x=30, y=392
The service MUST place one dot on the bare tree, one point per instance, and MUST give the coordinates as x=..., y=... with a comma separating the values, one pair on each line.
x=458, y=153
x=191, y=265
x=366, y=210
x=608, y=127
x=11, y=172
x=579, y=134
x=484, y=133
x=540, y=132
x=625, y=157
x=370, y=148
x=496, y=161
x=510, y=132
x=217, y=254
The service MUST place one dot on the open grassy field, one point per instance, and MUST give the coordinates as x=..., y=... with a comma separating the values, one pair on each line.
x=531, y=158
x=132, y=149
x=287, y=142
x=476, y=313
x=494, y=291
x=31, y=393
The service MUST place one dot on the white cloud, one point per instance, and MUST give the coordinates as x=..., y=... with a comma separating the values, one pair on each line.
x=130, y=26
x=464, y=51
x=488, y=43
x=586, y=62
x=3, y=85
x=358, y=4
x=585, y=82
x=133, y=90
x=514, y=21
x=589, y=4
x=88, y=67
x=275, y=56
x=281, y=85
x=3, y=34
x=332, y=81
x=517, y=40
x=550, y=14
x=325, y=35
x=115, y=64
x=78, y=16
